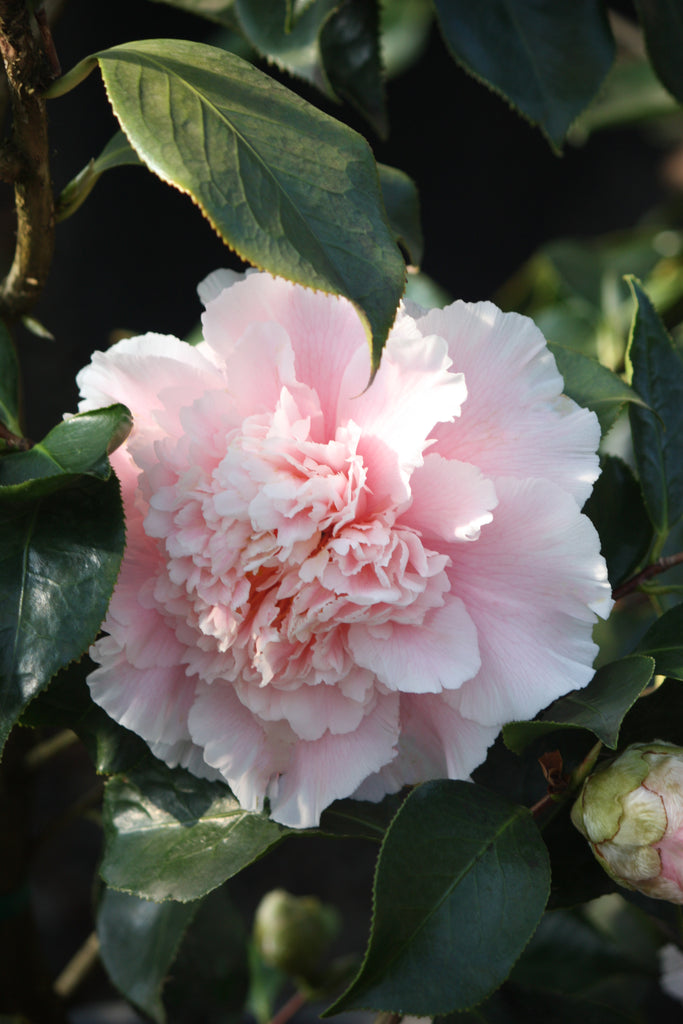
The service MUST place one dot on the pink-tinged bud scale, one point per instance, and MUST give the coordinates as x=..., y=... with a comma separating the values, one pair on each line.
x=631, y=813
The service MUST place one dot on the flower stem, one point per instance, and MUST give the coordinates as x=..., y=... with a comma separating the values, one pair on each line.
x=661, y=565
x=29, y=70
x=292, y=1006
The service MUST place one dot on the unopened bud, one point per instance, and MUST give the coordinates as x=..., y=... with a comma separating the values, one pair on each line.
x=293, y=933
x=631, y=813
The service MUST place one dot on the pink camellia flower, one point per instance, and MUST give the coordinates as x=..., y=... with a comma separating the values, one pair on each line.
x=331, y=589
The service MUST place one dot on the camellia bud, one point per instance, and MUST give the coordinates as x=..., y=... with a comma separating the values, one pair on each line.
x=631, y=812
x=294, y=932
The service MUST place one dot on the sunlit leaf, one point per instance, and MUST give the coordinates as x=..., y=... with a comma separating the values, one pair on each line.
x=170, y=835
x=76, y=447
x=289, y=188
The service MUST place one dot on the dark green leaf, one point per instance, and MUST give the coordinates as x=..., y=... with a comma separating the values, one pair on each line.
x=359, y=818
x=67, y=704
x=461, y=883
x=211, y=969
x=664, y=642
x=548, y=60
x=402, y=204
x=593, y=385
x=170, y=835
x=289, y=188
x=617, y=511
x=117, y=153
x=138, y=943
x=662, y=22
x=59, y=558
x=290, y=43
x=657, y=431
x=349, y=46
x=600, y=707
x=9, y=382
x=77, y=447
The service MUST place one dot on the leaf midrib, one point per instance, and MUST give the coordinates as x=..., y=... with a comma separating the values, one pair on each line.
x=157, y=64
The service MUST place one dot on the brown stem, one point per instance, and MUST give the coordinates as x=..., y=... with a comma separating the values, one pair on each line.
x=22, y=443
x=292, y=1006
x=29, y=71
x=661, y=565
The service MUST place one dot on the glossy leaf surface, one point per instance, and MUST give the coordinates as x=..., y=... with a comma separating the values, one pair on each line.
x=455, y=853
x=59, y=558
x=170, y=835
x=290, y=189
x=76, y=447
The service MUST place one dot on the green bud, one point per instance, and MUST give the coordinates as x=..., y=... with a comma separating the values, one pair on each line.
x=631, y=813
x=293, y=933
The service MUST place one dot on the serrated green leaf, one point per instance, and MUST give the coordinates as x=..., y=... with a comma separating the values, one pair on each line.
x=290, y=189
x=59, y=558
x=461, y=883
x=657, y=431
x=170, y=835
x=617, y=511
x=548, y=60
x=662, y=22
x=600, y=707
x=402, y=203
x=9, y=382
x=138, y=943
x=117, y=153
x=349, y=47
x=664, y=642
x=75, y=448
x=593, y=385
x=292, y=43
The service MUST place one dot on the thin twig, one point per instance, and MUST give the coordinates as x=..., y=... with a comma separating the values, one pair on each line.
x=292, y=1006
x=78, y=967
x=661, y=565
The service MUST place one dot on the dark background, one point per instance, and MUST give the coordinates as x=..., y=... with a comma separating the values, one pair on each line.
x=492, y=191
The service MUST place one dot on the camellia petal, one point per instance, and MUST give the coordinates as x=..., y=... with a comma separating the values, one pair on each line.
x=334, y=589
